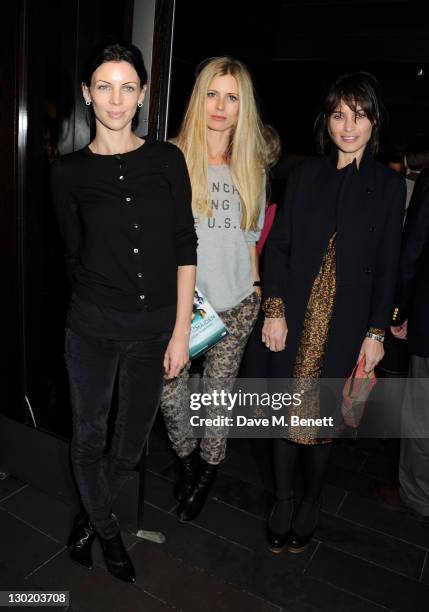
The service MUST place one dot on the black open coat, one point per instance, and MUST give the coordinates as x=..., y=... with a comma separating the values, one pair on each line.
x=367, y=213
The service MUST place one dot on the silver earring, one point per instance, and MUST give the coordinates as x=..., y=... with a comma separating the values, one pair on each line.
x=88, y=102
x=139, y=104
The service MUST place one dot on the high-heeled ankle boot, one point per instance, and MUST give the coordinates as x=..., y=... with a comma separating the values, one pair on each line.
x=192, y=505
x=188, y=472
x=117, y=559
x=80, y=540
x=278, y=525
x=303, y=525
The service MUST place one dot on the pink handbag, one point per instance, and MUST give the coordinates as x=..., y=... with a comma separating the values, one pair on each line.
x=355, y=394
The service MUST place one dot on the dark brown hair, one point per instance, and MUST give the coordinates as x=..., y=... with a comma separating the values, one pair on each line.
x=417, y=153
x=357, y=89
x=113, y=50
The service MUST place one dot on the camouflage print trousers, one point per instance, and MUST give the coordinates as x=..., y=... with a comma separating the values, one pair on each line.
x=221, y=366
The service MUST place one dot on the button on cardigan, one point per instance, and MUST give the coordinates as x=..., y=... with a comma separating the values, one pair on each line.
x=127, y=224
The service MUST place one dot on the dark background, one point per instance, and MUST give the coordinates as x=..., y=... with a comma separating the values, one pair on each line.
x=295, y=48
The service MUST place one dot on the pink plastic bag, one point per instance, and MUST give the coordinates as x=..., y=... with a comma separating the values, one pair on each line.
x=355, y=394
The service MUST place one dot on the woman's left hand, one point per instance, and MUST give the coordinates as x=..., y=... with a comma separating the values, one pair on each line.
x=176, y=356
x=373, y=352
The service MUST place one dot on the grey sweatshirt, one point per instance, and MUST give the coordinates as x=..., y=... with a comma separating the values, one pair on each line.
x=224, y=272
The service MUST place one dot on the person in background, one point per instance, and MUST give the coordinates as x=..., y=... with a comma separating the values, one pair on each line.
x=273, y=150
x=124, y=211
x=395, y=362
x=396, y=159
x=255, y=354
x=416, y=160
x=410, y=323
x=330, y=274
x=222, y=141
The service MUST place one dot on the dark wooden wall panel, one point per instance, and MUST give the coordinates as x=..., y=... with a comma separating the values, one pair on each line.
x=46, y=44
x=10, y=270
x=160, y=74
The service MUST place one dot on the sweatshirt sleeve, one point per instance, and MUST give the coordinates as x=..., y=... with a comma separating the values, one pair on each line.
x=185, y=235
x=252, y=236
x=67, y=216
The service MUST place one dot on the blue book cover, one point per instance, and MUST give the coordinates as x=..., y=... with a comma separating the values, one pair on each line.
x=207, y=328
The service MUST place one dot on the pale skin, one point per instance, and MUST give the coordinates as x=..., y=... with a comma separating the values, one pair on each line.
x=400, y=331
x=351, y=131
x=223, y=108
x=177, y=353
x=114, y=92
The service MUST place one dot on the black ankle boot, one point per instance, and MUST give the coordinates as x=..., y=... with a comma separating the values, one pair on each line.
x=188, y=472
x=80, y=540
x=117, y=560
x=192, y=505
x=303, y=525
x=276, y=534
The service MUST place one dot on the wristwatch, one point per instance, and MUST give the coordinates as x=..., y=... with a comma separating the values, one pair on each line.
x=377, y=337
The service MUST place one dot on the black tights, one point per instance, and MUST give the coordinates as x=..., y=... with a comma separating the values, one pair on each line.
x=315, y=463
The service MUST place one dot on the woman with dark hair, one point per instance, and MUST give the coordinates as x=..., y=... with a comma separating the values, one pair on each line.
x=330, y=274
x=124, y=210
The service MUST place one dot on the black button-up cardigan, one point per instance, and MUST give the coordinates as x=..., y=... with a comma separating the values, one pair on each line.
x=127, y=224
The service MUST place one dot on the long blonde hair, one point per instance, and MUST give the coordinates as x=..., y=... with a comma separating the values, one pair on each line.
x=246, y=152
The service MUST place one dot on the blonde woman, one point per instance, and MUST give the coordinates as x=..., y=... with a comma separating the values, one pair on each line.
x=221, y=139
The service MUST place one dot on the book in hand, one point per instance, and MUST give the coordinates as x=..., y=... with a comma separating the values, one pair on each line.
x=207, y=328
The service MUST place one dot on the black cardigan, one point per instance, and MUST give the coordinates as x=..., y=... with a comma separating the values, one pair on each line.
x=367, y=214
x=127, y=224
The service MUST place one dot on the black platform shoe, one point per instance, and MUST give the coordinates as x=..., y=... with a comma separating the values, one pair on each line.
x=192, y=505
x=296, y=543
x=80, y=540
x=188, y=472
x=277, y=540
x=117, y=559
x=303, y=526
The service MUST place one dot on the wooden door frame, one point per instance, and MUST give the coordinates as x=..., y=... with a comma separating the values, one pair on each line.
x=161, y=68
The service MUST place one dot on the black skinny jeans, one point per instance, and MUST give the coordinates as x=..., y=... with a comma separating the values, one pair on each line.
x=92, y=365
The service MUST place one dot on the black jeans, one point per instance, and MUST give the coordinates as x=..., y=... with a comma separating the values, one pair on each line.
x=92, y=365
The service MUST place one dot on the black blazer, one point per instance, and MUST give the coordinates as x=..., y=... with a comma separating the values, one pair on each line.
x=367, y=213
x=412, y=298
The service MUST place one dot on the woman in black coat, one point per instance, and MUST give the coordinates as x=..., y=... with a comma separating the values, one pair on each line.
x=330, y=274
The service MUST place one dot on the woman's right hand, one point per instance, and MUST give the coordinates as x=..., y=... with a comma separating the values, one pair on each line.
x=176, y=356
x=274, y=333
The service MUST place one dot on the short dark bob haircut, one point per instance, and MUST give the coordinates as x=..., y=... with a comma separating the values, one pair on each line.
x=113, y=50
x=359, y=89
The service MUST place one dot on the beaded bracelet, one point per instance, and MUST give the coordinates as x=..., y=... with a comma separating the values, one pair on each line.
x=377, y=330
